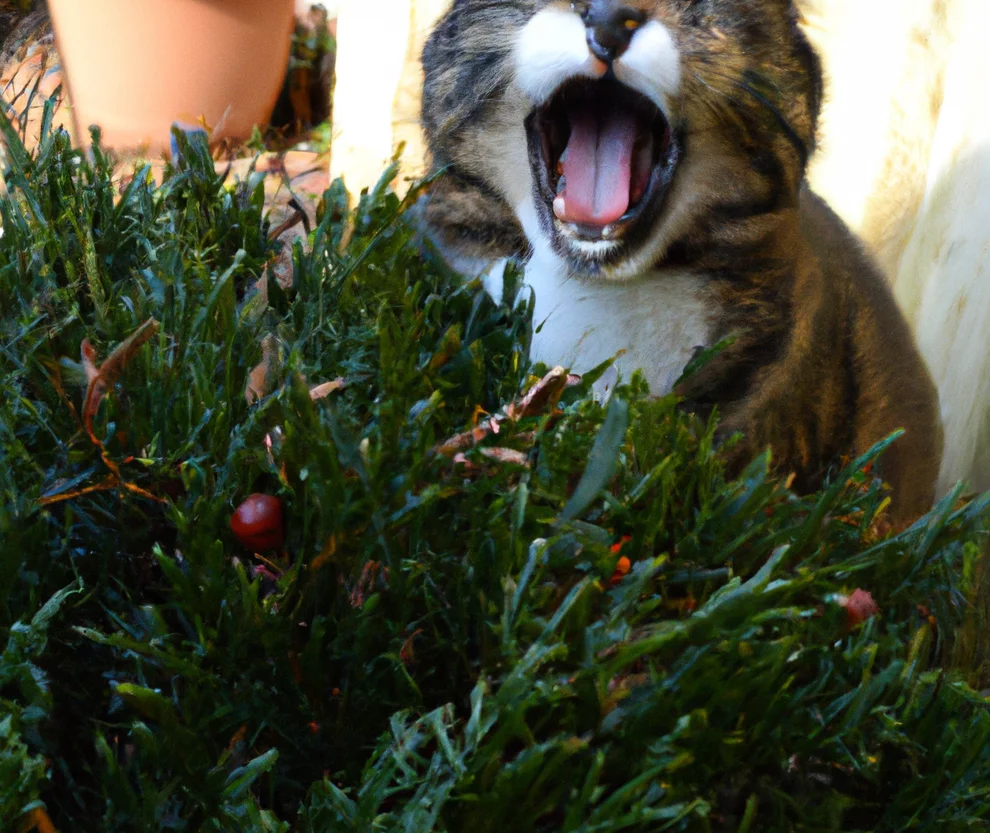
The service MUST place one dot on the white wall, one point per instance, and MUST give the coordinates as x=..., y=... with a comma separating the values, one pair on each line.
x=905, y=158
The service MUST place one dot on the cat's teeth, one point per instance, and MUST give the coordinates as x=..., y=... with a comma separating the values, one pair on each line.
x=560, y=208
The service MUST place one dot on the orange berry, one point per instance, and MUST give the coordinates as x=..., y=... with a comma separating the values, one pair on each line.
x=621, y=570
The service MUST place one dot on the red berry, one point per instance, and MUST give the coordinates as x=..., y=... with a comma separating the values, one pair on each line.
x=860, y=607
x=259, y=523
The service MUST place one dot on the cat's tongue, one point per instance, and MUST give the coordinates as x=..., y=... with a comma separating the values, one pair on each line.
x=598, y=165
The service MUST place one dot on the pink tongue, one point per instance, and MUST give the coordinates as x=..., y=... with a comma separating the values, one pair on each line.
x=598, y=168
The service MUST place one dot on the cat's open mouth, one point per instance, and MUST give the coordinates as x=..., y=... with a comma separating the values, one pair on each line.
x=603, y=154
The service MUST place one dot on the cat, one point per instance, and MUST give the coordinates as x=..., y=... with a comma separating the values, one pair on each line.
x=646, y=160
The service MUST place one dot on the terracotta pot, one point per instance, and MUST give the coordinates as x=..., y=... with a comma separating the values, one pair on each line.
x=135, y=67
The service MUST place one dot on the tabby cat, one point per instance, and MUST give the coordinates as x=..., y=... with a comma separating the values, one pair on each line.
x=646, y=159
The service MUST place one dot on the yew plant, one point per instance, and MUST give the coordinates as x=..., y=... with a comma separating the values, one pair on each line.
x=498, y=602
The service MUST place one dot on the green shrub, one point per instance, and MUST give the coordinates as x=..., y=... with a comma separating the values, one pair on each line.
x=446, y=642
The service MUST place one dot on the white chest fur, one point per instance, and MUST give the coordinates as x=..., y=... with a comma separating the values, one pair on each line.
x=656, y=322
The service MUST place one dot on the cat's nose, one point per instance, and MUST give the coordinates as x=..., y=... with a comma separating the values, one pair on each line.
x=611, y=27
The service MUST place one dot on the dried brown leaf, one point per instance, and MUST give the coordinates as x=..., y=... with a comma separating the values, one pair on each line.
x=324, y=390
x=295, y=219
x=105, y=376
x=465, y=440
x=261, y=379
x=506, y=455
x=407, y=652
x=543, y=395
